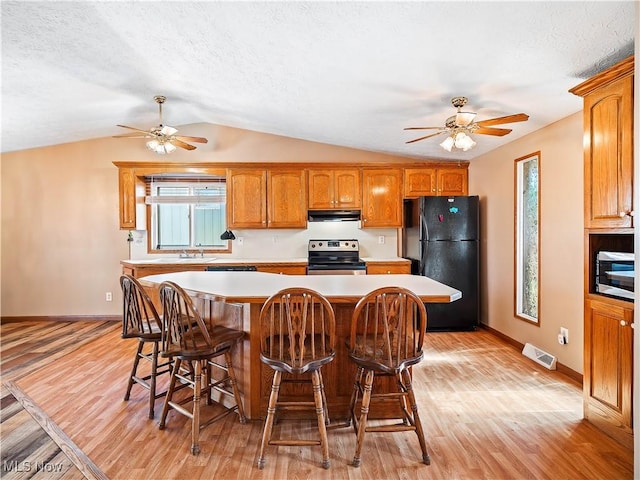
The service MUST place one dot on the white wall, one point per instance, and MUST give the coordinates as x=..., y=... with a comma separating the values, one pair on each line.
x=491, y=176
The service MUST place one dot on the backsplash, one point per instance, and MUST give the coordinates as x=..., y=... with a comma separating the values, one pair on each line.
x=289, y=243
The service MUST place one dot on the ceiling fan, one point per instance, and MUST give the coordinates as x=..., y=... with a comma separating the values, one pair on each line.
x=163, y=137
x=459, y=126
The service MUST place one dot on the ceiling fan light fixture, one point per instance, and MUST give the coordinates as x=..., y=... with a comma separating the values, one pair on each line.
x=463, y=119
x=464, y=142
x=161, y=147
x=448, y=143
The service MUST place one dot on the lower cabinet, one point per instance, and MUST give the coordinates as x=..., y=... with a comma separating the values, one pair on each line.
x=283, y=269
x=608, y=367
x=388, y=268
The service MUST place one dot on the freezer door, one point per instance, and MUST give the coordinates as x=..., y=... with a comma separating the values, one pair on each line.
x=454, y=263
x=449, y=218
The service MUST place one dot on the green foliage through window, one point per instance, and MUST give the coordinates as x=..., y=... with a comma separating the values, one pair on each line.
x=527, y=237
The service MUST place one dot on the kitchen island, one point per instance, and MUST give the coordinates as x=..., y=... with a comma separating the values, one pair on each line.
x=243, y=294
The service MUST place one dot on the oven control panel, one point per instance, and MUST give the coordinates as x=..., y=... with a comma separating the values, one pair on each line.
x=333, y=245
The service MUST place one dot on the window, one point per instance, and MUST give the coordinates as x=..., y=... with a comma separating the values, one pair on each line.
x=187, y=213
x=527, y=237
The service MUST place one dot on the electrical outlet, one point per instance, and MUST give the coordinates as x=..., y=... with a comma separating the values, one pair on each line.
x=564, y=332
x=240, y=240
x=381, y=240
x=108, y=296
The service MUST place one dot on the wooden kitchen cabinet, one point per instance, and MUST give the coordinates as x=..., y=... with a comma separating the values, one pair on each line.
x=381, y=197
x=286, y=198
x=246, y=198
x=282, y=268
x=131, y=200
x=260, y=198
x=608, y=221
x=388, y=268
x=334, y=189
x=608, y=371
x=608, y=146
x=445, y=181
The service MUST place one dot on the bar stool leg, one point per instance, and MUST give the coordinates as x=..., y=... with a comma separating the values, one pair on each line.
x=168, y=398
x=197, y=394
x=364, y=412
x=234, y=387
x=271, y=411
x=134, y=370
x=322, y=428
x=416, y=417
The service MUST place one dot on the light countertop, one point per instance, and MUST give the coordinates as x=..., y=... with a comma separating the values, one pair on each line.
x=255, y=287
x=242, y=261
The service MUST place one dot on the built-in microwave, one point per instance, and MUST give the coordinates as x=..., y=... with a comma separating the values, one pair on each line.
x=615, y=274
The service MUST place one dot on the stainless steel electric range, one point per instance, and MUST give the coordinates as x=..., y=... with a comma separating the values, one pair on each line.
x=335, y=257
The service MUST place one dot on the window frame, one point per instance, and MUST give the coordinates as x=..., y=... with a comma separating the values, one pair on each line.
x=519, y=236
x=151, y=207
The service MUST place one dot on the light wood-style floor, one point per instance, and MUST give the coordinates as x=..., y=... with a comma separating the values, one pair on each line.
x=488, y=413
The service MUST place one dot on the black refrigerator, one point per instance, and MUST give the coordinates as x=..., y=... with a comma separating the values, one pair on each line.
x=441, y=237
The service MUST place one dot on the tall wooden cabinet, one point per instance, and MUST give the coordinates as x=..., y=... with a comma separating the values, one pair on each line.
x=608, y=222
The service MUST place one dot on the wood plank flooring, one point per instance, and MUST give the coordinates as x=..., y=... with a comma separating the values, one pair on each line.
x=488, y=413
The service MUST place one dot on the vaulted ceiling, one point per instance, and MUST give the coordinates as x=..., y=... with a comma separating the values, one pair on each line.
x=353, y=74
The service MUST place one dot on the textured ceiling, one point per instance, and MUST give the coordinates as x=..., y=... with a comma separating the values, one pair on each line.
x=344, y=73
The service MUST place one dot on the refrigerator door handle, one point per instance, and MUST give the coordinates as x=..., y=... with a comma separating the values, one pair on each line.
x=424, y=233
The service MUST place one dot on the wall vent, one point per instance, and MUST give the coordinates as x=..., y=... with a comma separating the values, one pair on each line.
x=539, y=356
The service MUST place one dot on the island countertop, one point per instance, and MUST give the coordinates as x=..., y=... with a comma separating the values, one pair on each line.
x=244, y=293
x=256, y=287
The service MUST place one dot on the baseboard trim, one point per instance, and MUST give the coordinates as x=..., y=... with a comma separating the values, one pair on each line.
x=63, y=318
x=570, y=373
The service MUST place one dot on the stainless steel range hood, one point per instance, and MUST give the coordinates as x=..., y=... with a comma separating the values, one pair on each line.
x=334, y=215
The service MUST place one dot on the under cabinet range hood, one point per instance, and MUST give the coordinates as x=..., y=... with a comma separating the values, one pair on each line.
x=334, y=215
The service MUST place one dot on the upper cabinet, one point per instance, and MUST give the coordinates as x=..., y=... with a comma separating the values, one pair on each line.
x=259, y=198
x=334, y=189
x=247, y=198
x=382, y=197
x=286, y=198
x=608, y=146
x=127, y=195
x=444, y=181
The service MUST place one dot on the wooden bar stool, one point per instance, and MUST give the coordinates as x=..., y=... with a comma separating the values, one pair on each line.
x=140, y=320
x=194, y=345
x=297, y=336
x=387, y=333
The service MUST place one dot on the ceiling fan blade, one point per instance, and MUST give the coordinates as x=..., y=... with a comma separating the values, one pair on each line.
x=498, y=132
x=136, y=129
x=181, y=144
x=134, y=135
x=518, y=117
x=422, y=128
x=191, y=139
x=422, y=138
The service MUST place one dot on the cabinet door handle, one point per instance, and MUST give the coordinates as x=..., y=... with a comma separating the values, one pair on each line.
x=623, y=323
x=624, y=214
x=632, y=325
